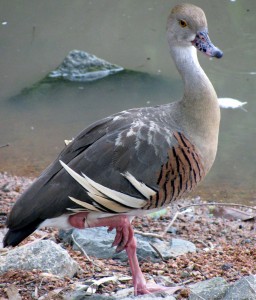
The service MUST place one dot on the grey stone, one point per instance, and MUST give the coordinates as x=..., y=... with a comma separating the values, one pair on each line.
x=243, y=289
x=82, y=66
x=212, y=289
x=128, y=294
x=97, y=242
x=149, y=297
x=174, y=248
x=3, y=232
x=44, y=255
x=81, y=295
x=172, y=230
x=65, y=236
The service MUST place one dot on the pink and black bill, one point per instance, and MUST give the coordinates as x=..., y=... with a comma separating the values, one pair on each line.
x=203, y=43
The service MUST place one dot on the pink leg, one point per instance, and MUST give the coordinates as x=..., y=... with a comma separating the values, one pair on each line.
x=120, y=222
x=124, y=239
x=139, y=281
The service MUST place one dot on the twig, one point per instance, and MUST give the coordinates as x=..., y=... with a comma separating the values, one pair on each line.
x=36, y=294
x=81, y=248
x=201, y=242
x=159, y=236
x=157, y=252
x=162, y=236
x=93, y=284
x=185, y=209
x=217, y=204
x=173, y=220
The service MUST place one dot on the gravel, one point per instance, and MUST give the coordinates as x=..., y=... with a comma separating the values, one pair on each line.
x=225, y=248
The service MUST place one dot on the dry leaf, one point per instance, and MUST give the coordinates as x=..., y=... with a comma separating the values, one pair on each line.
x=13, y=293
x=232, y=213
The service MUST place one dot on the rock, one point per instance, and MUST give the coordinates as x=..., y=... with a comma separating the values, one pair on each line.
x=174, y=248
x=98, y=242
x=65, y=236
x=83, y=66
x=243, y=289
x=217, y=288
x=149, y=297
x=226, y=266
x=44, y=255
x=212, y=289
x=172, y=230
x=81, y=295
x=3, y=232
x=95, y=242
x=100, y=247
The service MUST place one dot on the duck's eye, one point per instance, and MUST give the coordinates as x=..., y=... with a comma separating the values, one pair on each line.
x=183, y=23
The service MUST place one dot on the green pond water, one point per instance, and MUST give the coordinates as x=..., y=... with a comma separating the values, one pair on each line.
x=37, y=35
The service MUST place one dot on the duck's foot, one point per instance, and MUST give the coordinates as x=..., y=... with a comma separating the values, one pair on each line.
x=141, y=287
x=151, y=288
x=124, y=240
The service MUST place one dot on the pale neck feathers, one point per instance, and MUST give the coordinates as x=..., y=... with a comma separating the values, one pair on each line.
x=198, y=111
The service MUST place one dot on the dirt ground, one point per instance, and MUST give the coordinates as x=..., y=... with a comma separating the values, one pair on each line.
x=224, y=237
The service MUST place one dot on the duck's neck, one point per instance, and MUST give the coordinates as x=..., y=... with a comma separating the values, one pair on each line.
x=199, y=108
x=196, y=83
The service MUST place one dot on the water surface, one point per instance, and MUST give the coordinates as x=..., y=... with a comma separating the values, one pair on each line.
x=37, y=35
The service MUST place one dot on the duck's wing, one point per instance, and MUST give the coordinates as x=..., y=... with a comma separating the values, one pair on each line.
x=119, y=154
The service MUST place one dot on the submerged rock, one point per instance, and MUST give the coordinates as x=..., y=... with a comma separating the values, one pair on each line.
x=83, y=66
x=88, y=79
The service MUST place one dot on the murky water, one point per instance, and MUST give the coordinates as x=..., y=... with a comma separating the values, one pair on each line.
x=36, y=36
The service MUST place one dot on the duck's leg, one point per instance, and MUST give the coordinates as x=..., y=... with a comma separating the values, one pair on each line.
x=124, y=240
x=141, y=287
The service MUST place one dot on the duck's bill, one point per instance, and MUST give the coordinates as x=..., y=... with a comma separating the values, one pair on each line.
x=203, y=43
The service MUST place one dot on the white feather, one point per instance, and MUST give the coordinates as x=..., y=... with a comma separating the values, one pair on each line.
x=231, y=103
x=140, y=186
x=109, y=204
x=81, y=180
x=84, y=204
x=98, y=191
x=115, y=195
x=59, y=222
x=68, y=142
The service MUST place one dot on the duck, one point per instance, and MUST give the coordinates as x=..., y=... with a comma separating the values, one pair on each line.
x=133, y=162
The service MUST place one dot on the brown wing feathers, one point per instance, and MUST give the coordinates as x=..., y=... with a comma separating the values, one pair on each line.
x=181, y=173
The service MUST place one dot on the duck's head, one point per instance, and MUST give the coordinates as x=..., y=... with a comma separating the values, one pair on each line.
x=187, y=26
